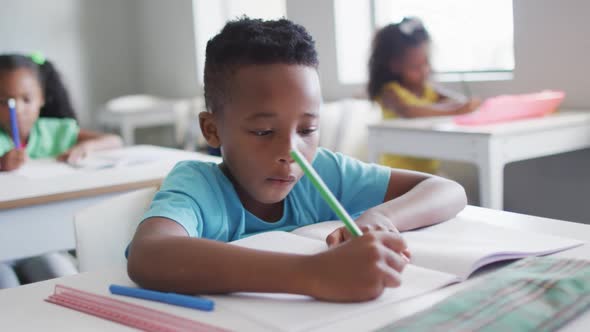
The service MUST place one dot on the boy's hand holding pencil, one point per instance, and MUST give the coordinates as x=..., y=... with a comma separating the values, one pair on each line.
x=359, y=269
x=367, y=222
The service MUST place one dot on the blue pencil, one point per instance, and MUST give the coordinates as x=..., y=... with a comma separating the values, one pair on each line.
x=169, y=298
x=14, y=123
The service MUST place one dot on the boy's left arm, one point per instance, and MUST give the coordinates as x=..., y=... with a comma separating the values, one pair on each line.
x=90, y=141
x=412, y=200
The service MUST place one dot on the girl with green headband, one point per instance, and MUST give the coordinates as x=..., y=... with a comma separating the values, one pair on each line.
x=46, y=120
x=48, y=128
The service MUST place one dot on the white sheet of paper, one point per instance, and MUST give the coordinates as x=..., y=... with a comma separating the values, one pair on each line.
x=43, y=168
x=460, y=246
x=287, y=312
x=115, y=158
x=50, y=167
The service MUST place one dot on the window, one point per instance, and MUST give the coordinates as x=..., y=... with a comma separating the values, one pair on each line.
x=353, y=41
x=210, y=17
x=467, y=35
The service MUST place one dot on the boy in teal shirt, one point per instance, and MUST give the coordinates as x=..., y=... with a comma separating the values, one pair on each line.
x=263, y=98
x=214, y=210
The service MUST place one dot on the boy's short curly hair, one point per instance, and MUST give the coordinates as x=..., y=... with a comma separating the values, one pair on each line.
x=248, y=41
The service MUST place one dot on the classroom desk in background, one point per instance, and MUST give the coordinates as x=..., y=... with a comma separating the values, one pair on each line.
x=36, y=214
x=489, y=147
x=24, y=308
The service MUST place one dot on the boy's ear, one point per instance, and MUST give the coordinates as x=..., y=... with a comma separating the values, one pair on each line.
x=208, y=125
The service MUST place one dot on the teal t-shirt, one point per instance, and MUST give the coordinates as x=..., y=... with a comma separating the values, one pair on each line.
x=199, y=197
x=49, y=137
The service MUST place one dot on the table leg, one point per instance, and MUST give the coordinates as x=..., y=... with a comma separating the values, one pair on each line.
x=373, y=150
x=127, y=132
x=491, y=178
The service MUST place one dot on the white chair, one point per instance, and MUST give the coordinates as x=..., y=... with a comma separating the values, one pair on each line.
x=344, y=126
x=189, y=129
x=138, y=111
x=104, y=230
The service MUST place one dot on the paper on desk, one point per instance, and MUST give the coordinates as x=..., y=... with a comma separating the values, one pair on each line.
x=43, y=168
x=48, y=168
x=287, y=312
x=116, y=158
x=106, y=161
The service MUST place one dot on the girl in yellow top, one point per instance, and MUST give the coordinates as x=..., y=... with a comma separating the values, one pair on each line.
x=399, y=70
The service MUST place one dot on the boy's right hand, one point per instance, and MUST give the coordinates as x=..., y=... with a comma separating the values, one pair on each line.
x=359, y=269
x=13, y=159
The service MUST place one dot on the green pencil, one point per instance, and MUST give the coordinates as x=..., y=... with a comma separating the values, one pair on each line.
x=326, y=194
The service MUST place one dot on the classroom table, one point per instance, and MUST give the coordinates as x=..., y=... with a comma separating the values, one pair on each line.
x=128, y=113
x=36, y=214
x=489, y=147
x=23, y=307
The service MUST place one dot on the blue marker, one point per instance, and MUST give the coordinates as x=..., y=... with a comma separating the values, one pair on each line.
x=13, y=123
x=170, y=298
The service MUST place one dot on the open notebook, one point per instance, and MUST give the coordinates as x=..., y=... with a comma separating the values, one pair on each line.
x=441, y=254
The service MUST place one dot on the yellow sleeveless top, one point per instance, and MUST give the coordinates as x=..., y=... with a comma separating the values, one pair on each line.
x=416, y=164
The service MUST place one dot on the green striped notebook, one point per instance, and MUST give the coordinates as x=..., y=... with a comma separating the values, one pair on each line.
x=533, y=294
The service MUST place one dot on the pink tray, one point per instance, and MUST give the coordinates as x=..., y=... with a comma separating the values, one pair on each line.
x=506, y=108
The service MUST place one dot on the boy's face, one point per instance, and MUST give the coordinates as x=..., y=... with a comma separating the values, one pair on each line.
x=272, y=110
x=22, y=85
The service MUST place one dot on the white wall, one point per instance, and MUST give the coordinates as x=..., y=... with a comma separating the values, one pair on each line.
x=167, y=51
x=109, y=47
x=51, y=27
x=91, y=42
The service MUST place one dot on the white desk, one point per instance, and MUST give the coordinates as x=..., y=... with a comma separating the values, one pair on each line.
x=489, y=147
x=36, y=214
x=131, y=112
x=23, y=308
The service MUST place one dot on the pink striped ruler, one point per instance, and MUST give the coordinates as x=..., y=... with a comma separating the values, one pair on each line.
x=126, y=313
